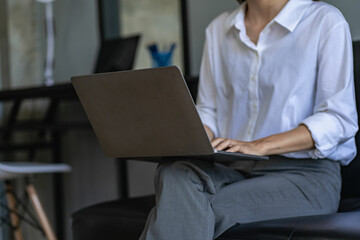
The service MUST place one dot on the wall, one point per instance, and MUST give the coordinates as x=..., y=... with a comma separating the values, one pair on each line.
x=201, y=12
x=77, y=38
x=350, y=9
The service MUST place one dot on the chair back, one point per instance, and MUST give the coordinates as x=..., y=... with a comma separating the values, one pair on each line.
x=351, y=173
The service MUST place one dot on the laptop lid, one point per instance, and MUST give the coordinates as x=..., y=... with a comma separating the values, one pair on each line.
x=143, y=113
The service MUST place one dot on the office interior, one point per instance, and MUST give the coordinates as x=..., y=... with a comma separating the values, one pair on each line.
x=81, y=27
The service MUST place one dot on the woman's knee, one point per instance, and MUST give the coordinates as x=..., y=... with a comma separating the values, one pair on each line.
x=171, y=169
x=187, y=173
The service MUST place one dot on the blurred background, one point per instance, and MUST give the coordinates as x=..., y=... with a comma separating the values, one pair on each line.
x=86, y=35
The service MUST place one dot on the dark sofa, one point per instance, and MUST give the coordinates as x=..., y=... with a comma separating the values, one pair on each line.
x=125, y=219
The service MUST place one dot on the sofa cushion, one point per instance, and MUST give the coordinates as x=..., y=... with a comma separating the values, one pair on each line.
x=110, y=220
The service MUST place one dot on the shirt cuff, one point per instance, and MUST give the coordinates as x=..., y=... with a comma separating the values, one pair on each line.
x=323, y=129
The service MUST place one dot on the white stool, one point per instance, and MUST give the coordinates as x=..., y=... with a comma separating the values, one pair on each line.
x=13, y=170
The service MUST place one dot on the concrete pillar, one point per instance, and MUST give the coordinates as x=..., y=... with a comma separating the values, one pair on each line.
x=25, y=43
x=4, y=47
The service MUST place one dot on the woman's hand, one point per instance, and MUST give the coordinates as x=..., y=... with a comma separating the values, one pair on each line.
x=294, y=140
x=231, y=145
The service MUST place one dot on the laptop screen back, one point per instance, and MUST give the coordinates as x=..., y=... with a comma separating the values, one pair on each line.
x=142, y=113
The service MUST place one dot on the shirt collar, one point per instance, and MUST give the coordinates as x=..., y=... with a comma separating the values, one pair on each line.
x=289, y=17
x=236, y=18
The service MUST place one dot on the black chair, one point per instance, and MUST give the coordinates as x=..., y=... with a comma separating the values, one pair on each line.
x=125, y=219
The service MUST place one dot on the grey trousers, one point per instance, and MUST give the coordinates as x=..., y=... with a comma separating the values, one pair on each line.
x=200, y=200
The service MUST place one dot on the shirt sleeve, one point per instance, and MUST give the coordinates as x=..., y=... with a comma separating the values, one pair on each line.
x=334, y=119
x=206, y=98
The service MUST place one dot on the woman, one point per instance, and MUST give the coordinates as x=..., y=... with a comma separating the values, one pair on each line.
x=276, y=79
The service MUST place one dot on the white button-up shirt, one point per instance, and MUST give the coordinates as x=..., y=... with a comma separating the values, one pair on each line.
x=299, y=72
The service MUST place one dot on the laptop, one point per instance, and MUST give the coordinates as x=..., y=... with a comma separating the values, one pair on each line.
x=147, y=114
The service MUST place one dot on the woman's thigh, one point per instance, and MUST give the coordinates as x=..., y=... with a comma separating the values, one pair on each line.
x=278, y=193
x=209, y=177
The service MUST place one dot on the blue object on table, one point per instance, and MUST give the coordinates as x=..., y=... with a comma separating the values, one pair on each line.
x=163, y=58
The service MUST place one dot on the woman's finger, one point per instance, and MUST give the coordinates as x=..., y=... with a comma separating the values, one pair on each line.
x=216, y=142
x=235, y=148
x=227, y=143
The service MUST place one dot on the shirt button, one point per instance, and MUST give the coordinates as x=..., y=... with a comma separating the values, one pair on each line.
x=253, y=79
x=254, y=106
